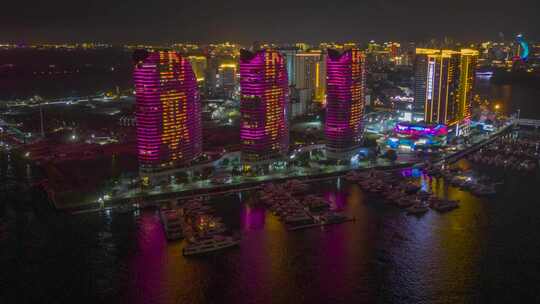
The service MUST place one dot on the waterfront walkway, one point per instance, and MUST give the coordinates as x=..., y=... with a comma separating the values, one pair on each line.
x=241, y=183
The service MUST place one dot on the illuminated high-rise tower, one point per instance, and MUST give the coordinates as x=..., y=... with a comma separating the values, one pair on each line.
x=198, y=64
x=264, y=127
x=168, y=111
x=346, y=78
x=444, y=81
x=469, y=60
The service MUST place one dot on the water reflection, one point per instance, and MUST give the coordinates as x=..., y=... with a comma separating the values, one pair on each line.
x=384, y=256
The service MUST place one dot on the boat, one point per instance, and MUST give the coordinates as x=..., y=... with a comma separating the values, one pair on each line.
x=298, y=218
x=411, y=188
x=124, y=209
x=209, y=244
x=444, y=205
x=418, y=208
x=172, y=224
x=482, y=190
x=333, y=217
x=406, y=201
x=314, y=203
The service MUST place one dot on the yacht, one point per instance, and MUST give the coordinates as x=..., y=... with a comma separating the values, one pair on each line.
x=298, y=218
x=484, y=190
x=171, y=224
x=209, y=244
x=333, y=217
x=406, y=201
x=444, y=205
x=418, y=208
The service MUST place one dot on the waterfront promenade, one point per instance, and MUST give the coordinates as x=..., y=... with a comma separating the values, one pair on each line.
x=159, y=194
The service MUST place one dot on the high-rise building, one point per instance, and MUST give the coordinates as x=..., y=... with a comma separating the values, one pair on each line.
x=306, y=72
x=320, y=80
x=420, y=82
x=264, y=130
x=469, y=60
x=305, y=75
x=168, y=112
x=227, y=77
x=198, y=63
x=290, y=59
x=346, y=74
x=305, y=69
x=443, y=85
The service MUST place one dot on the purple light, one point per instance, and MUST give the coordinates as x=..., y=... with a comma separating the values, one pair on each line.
x=264, y=129
x=345, y=99
x=420, y=130
x=168, y=111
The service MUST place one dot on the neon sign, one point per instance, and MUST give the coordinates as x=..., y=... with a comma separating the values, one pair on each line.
x=431, y=76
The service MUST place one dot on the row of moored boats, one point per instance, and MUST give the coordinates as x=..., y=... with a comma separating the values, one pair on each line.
x=394, y=189
x=297, y=209
x=195, y=220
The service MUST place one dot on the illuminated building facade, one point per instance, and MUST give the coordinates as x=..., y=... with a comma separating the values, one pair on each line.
x=168, y=111
x=444, y=81
x=417, y=136
x=198, y=63
x=320, y=81
x=346, y=77
x=468, y=63
x=264, y=129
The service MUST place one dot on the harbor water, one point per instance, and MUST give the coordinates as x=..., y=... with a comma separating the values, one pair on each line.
x=385, y=255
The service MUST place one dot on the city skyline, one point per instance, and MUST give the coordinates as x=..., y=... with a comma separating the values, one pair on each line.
x=245, y=22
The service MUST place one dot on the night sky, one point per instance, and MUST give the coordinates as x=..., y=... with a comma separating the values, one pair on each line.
x=164, y=21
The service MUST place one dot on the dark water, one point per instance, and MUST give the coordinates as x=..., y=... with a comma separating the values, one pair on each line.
x=512, y=97
x=486, y=251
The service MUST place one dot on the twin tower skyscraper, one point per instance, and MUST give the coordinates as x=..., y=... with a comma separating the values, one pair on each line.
x=168, y=107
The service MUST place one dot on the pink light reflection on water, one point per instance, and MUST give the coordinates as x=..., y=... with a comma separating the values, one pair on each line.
x=149, y=263
x=252, y=218
x=337, y=200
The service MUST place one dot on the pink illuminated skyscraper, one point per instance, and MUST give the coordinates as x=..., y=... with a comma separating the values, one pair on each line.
x=264, y=129
x=345, y=101
x=168, y=111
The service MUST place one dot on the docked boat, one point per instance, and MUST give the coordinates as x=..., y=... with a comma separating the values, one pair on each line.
x=298, y=218
x=124, y=209
x=444, y=205
x=482, y=190
x=209, y=244
x=418, y=208
x=406, y=201
x=411, y=188
x=314, y=203
x=171, y=224
x=333, y=217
